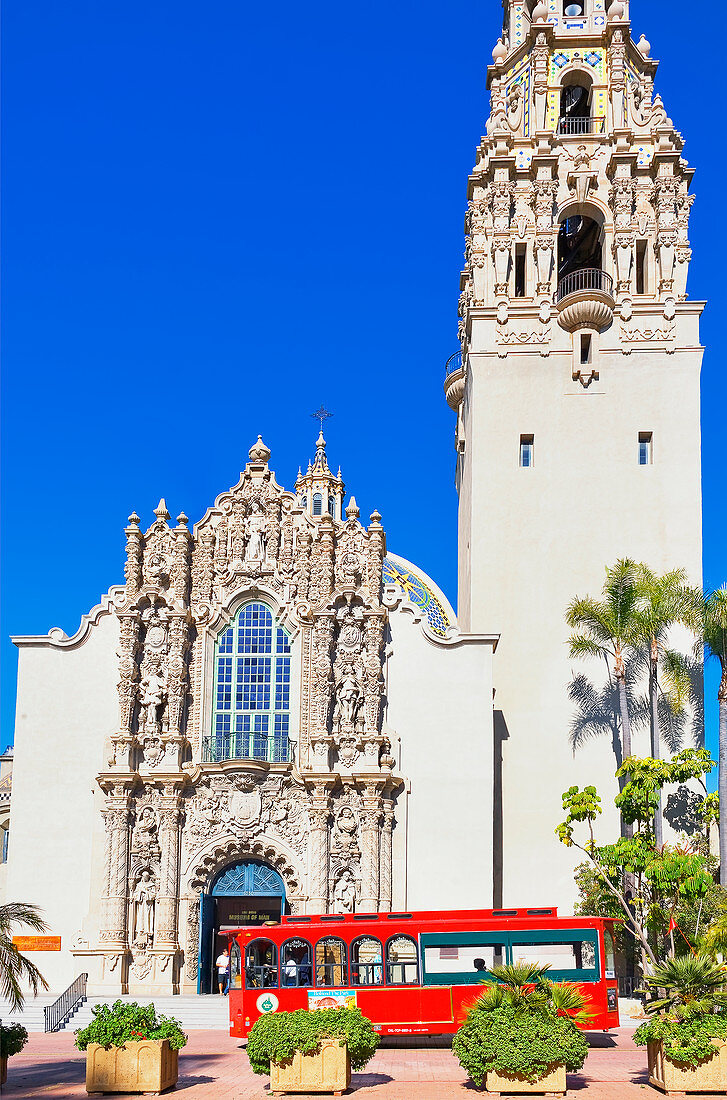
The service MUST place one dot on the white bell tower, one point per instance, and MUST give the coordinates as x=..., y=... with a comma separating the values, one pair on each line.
x=576, y=390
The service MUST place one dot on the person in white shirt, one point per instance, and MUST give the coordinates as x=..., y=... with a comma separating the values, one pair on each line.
x=223, y=968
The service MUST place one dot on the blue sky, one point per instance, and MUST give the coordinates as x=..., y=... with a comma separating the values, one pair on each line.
x=217, y=217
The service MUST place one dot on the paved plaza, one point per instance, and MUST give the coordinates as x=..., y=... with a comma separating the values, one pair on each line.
x=215, y=1065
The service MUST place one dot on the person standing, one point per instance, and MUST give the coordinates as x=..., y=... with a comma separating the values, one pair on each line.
x=223, y=970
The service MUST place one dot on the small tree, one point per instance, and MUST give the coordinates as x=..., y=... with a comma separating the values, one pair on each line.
x=715, y=642
x=14, y=967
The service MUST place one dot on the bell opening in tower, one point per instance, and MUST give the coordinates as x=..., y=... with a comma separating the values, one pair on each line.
x=575, y=106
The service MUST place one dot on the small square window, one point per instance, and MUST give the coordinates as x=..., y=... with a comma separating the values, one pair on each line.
x=646, y=441
x=527, y=450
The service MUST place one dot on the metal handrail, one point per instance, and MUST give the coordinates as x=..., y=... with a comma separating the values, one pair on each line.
x=57, y=1014
x=586, y=278
x=453, y=363
x=245, y=746
x=588, y=124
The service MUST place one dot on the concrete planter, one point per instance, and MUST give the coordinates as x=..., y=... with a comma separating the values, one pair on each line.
x=708, y=1076
x=327, y=1071
x=149, y=1065
x=552, y=1083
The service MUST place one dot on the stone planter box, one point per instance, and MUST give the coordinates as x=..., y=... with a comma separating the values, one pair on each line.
x=149, y=1065
x=327, y=1071
x=708, y=1076
x=552, y=1083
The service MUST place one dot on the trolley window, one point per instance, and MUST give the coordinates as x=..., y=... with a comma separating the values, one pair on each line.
x=367, y=962
x=235, y=966
x=610, y=945
x=296, y=963
x=330, y=962
x=461, y=958
x=261, y=965
x=572, y=956
x=402, y=961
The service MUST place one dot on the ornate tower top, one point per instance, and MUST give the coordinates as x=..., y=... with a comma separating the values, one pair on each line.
x=578, y=203
x=319, y=492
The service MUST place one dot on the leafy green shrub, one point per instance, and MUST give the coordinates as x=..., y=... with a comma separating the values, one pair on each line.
x=13, y=1038
x=276, y=1036
x=691, y=1010
x=517, y=1042
x=686, y=1042
x=522, y=1024
x=129, y=1022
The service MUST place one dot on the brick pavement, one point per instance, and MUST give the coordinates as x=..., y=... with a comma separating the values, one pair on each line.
x=213, y=1065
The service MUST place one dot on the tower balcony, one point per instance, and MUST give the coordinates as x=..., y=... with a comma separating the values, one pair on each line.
x=578, y=127
x=584, y=299
x=454, y=380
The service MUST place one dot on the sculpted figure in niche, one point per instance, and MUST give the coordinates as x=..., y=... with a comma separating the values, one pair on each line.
x=344, y=839
x=145, y=830
x=255, y=532
x=144, y=900
x=348, y=700
x=152, y=697
x=344, y=896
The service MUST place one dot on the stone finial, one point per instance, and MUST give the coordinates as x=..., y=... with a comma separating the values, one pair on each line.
x=161, y=510
x=540, y=12
x=375, y=518
x=616, y=10
x=352, y=509
x=182, y=520
x=643, y=46
x=259, y=453
x=134, y=520
x=499, y=52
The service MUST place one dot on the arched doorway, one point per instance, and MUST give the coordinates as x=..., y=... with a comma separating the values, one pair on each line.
x=247, y=892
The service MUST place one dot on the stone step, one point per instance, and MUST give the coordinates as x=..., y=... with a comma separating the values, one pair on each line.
x=31, y=1015
x=210, y=1012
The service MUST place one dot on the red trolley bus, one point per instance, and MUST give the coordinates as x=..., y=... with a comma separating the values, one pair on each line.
x=413, y=973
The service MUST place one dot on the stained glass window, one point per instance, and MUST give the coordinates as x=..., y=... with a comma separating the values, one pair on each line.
x=252, y=689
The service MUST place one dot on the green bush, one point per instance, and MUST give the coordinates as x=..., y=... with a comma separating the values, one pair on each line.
x=686, y=1042
x=13, y=1038
x=512, y=1041
x=275, y=1037
x=129, y=1022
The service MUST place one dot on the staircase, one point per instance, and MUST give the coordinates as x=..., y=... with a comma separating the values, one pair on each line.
x=211, y=1012
x=31, y=1016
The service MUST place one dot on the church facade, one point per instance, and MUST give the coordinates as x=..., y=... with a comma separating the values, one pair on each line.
x=252, y=723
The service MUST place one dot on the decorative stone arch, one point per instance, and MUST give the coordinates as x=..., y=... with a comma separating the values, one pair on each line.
x=575, y=72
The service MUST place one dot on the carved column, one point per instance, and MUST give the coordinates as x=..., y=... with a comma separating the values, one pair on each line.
x=166, y=915
x=319, y=846
x=370, y=859
x=191, y=951
x=134, y=555
x=116, y=873
x=385, y=859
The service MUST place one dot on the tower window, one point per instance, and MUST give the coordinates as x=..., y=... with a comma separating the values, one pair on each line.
x=646, y=444
x=331, y=506
x=520, y=255
x=573, y=8
x=585, y=348
x=317, y=504
x=641, y=284
x=527, y=450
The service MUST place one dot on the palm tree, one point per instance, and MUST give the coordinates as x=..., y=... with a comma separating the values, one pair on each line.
x=715, y=641
x=664, y=602
x=15, y=969
x=687, y=985
x=611, y=628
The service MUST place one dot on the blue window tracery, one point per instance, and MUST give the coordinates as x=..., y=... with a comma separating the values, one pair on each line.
x=252, y=689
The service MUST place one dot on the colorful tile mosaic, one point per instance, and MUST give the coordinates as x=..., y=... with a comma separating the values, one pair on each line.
x=518, y=26
x=645, y=156
x=524, y=79
x=419, y=593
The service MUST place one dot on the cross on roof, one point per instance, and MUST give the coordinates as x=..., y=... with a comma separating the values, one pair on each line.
x=321, y=414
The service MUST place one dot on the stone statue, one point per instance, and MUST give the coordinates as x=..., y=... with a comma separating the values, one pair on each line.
x=144, y=899
x=145, y=831
x=344, y=896
x=152, y=697
x=255, y=531
x=348, y=700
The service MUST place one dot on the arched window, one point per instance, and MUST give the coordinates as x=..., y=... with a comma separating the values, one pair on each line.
x=317, y=504
x=330, y=962
x=252, y=689
x=579, y=245
x=332, y=507
x=261, y=965
x=367, y=962
x=296, y=963
x=402, y=961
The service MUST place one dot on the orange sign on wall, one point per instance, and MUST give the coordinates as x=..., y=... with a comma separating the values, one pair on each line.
x=37, y=943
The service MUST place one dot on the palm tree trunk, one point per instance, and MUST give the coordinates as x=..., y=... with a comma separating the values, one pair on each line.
x=722, y=780
x=623, y=705
x=654, y=730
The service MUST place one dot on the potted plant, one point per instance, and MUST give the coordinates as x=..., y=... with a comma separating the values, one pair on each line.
x=687, y=1031
x=311, y=1051
x=520, y=1034
x=13, y=1038
x=130, y=1049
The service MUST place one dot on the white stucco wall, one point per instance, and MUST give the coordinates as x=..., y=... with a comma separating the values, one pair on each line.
x=66, y=710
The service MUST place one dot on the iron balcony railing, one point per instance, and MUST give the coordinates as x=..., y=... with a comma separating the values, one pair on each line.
x=593, y=124
x=246, y=746
x=453, y=363
x=57, y=1014
x=586, y=278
